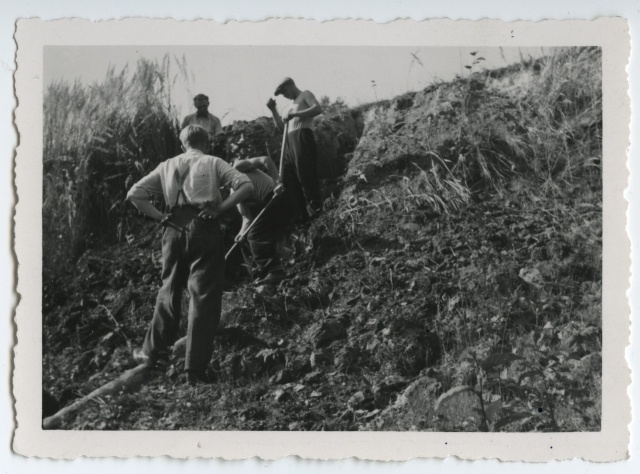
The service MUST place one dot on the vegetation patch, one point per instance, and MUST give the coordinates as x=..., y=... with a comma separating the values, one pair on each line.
x=453, y=282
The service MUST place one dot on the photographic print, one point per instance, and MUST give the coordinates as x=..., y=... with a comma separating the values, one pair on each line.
x=386, y=241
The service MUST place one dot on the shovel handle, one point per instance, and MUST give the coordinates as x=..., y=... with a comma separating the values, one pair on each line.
x=284, y=144
x=233, y=247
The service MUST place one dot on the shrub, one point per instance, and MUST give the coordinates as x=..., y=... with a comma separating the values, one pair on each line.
x=98, y=140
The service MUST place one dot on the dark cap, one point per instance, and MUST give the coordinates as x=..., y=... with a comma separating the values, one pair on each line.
x=283, y=83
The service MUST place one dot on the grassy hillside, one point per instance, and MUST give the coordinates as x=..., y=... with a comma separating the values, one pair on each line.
x=453, y=283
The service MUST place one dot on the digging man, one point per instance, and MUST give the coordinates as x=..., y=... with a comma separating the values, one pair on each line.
x=300, y=173
x=263, y=235
x=192, y=253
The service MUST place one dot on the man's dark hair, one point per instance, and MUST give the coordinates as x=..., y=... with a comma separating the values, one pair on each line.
x=193, y=136
x=201, y=96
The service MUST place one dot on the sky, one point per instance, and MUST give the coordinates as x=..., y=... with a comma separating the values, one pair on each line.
x=239, y=80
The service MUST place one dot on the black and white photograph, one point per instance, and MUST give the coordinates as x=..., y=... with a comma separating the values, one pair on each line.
x=322, y=238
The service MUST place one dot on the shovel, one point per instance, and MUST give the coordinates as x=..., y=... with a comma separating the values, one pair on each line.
x=244, y=234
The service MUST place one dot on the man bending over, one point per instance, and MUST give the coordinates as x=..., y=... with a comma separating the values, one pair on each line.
x=264, y=233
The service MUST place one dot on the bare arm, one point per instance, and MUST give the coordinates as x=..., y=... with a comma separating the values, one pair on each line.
x=247, y=218
x=241, y=185
x=244, y=166
x=148, y=209
x=242, y=193
x=141, y=192
x=272, y=169
x=271, y=105
x=263, y=163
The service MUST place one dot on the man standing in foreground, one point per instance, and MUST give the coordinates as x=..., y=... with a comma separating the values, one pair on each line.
x=192, y=253
x=300, y=173
x=264, y=233
x=206, y=120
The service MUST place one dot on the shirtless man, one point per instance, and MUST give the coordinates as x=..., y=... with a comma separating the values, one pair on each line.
x=206, y=120
x=300, y=174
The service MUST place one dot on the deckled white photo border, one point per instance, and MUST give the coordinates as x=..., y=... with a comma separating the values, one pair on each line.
x=611, y=443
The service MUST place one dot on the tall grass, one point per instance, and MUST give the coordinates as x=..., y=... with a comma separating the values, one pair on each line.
x=98, y=140
x=569, y=146
x=539, y=120
x=544, y=120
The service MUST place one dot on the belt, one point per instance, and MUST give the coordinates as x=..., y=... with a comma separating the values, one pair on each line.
x=197, y=207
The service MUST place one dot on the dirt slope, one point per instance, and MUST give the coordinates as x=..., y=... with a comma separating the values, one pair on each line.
x=453, y=283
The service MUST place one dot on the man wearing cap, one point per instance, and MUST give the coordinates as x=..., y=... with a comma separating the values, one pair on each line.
x=192, y=253
x=206, y=120
x=300, y=174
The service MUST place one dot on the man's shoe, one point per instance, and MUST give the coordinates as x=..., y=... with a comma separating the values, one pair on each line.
x=272, y=278
x=151, y=362
x=199, y=378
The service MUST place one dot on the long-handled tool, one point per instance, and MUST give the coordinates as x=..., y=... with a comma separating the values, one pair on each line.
x=284, y=144
x=244, y=234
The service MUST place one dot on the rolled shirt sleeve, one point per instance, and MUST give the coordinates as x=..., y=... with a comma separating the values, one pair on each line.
x=148, y=186
x=229, y=175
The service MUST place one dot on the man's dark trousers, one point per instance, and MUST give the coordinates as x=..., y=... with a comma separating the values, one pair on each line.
x=193, y=258
x=300, y=172
x=265, y=231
